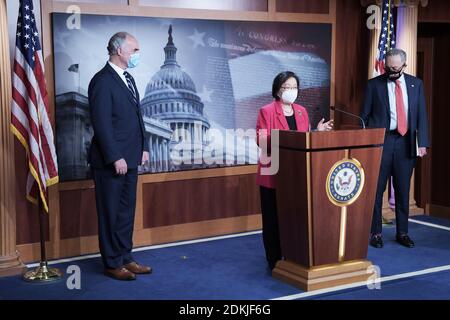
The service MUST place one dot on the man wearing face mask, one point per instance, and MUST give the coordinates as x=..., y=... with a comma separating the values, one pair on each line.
x=396, y=101
x=281, y=114
x=118, y=146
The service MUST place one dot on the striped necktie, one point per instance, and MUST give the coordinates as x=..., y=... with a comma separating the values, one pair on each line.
x=130, y=85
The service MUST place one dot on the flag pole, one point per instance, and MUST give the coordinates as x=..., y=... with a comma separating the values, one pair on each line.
x=42, y=273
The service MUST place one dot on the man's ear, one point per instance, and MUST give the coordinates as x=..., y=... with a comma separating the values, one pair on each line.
x=119, y=51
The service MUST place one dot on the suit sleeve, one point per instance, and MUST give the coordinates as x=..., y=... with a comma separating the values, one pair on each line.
x=263, y=130
x=367, y=104
x=422, y=120
x=146, y=138
x=100, y=102
x=307, y=119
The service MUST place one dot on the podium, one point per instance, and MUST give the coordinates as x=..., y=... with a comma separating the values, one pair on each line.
x=326, y=186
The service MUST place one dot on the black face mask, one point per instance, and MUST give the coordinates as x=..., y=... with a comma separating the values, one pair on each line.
x=394, y=74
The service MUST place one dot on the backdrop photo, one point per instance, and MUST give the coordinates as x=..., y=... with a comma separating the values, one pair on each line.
x=201, y=84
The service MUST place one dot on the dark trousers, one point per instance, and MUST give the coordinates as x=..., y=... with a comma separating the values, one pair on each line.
x=396, y=161
x=115, y=197
x=271, y=234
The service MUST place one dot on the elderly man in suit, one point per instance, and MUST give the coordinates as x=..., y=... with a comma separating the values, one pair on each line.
x=395, y=101
x=118, y=146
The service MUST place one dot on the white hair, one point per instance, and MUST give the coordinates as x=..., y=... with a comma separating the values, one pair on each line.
x=117, y=41
x=396, y=52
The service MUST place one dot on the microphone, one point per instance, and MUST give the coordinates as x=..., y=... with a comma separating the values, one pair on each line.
x=350, y=114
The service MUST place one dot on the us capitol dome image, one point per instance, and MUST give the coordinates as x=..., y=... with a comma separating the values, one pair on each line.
x=180, y=135
x=173, y=117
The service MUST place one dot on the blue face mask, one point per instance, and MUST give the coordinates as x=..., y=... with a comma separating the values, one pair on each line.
x=134, y=60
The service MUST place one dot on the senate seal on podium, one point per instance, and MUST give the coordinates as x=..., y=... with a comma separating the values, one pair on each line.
x=345, y=182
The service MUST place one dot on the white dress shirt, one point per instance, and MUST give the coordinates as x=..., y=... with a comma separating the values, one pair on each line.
x=392, y=101
x=119, y=71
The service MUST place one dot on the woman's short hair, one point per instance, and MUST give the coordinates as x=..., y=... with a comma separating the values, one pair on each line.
x=281, y=78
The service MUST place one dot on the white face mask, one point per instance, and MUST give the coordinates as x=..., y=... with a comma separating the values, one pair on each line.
x=289, y=96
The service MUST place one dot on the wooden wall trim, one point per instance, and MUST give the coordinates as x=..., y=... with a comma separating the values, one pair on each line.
x=272, y=8
x=87, y=245
x=198, y=174
x=9, y=260
x=169, y=176
x=147, y=11
x=438, y=211
x=435, y=11
x=332, y=11
x=75, y=246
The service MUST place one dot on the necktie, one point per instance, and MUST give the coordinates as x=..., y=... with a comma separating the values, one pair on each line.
x=402, y=126
x=130, y=85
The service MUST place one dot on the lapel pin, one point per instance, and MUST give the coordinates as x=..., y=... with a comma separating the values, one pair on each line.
x=300, y=113
x=412, y=85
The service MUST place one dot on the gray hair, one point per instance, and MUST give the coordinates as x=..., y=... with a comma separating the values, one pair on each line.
x=117, y=41
x=396, y=52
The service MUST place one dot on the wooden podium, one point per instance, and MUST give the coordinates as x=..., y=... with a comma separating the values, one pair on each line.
x=326, y=185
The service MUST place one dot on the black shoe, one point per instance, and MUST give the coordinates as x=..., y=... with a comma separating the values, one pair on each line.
x=405, y=240
x=376, y=241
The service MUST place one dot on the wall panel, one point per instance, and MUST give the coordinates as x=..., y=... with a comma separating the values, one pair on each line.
x=208, y=202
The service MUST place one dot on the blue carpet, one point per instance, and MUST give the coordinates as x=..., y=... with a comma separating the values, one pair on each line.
x=425, y=287
x=432, y=250
x=440, y=221
x=235, y=269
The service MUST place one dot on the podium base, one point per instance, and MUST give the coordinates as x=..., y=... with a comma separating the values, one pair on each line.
x=325, y=276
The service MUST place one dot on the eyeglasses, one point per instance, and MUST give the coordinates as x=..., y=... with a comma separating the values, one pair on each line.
x=289, y=88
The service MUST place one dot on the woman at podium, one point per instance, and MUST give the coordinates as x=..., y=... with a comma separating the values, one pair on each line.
x=282, y=114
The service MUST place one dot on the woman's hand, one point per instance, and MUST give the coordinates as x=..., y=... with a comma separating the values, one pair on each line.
x=327, y=126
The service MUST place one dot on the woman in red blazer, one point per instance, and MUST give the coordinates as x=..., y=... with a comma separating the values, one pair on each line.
x=281, y=114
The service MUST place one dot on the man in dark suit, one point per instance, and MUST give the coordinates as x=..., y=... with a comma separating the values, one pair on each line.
x=395, y=101
x=118, y=146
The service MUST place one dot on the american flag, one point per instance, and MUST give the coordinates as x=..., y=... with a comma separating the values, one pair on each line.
x=30, y=121
x=387, y=34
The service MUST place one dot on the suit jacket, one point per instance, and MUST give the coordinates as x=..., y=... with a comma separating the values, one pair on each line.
x=376, y=111
x=271, y=117
x=119, y=130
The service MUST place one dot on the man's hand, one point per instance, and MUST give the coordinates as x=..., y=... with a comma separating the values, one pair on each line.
x=145, y=157
x=121, y=166
x=422, y=152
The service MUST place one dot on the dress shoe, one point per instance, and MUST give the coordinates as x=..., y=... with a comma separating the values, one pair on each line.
x=120, y=274
x=138, y=268
x=405, y=240
x=376, y=241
